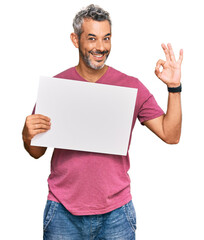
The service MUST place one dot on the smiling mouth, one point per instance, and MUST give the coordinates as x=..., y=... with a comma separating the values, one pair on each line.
x=98, y=56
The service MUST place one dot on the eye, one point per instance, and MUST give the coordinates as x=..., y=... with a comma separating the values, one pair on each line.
x=91, y=39
x=107, y=38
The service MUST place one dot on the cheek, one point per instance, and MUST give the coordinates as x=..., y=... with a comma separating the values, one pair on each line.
x=89, y=48
x=85, y=45
x=108, y=46
x=89, y=44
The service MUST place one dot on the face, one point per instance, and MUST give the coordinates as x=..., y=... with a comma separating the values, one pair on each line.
x=95, y=43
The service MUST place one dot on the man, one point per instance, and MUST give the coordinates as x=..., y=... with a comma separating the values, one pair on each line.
x=89, y=193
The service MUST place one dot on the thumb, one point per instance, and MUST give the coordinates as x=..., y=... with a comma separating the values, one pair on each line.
x=158, y=65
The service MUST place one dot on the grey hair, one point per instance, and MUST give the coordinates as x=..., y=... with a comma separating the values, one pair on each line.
x=90, y=12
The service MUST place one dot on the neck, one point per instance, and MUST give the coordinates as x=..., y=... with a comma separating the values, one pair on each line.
x=90, y=74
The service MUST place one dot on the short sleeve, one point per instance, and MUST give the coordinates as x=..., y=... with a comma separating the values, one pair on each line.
x=149, y=110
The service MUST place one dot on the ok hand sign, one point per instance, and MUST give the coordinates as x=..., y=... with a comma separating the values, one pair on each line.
x=171, y=72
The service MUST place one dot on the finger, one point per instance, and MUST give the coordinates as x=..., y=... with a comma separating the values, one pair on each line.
x=37, y=118
x=35, y=132
x=41, y=126
x=181, y=56
x=157, y=68
x=171, y=52
x=157, y=72
x=166, y=51
x=160, y=63
x=40, y=121
x=40, y=116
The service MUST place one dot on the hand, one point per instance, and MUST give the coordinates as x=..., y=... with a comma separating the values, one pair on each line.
x=35, y=124
x=171, y=72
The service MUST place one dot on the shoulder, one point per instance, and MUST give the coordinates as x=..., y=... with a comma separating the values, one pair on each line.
x=127, y=80
x=122, y=79
x=68, y=73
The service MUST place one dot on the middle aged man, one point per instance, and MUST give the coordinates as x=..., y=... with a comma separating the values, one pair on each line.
x=89, y=193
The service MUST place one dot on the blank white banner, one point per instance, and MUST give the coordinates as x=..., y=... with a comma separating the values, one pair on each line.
x=85, y=116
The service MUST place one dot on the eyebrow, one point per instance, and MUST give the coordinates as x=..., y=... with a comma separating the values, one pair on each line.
x=93, y=35
x=90, y=34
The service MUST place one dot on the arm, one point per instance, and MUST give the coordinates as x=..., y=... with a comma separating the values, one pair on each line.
x=168, y=126
x=34, y=125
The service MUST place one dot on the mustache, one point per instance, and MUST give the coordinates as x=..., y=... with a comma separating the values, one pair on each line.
x=99, y=52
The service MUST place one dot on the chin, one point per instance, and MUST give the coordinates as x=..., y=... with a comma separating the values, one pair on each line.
x=95, y=66
x=98, y=67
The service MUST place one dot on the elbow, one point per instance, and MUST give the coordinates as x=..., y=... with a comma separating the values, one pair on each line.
x=172, y=141
x=35, y=156
x=172, y=137
x=35, y=152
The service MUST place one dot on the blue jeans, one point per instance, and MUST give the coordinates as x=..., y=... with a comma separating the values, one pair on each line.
x=60, y=224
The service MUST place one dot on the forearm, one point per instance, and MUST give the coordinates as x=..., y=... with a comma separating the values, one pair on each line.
x=168, y=126
x=172, y=119
x=34, y=151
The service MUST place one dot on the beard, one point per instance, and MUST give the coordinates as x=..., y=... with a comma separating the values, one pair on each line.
x=89, y=63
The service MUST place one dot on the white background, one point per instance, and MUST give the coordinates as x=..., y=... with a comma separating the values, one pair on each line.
x=167, y=180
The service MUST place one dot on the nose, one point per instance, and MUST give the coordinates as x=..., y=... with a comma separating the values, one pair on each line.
x=100, y=45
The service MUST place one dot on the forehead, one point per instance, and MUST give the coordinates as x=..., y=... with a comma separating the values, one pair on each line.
x=96, y=27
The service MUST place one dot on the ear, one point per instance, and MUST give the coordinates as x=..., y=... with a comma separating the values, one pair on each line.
x=75, y=39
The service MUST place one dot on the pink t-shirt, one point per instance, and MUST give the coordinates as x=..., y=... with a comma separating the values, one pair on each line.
x=88, y=183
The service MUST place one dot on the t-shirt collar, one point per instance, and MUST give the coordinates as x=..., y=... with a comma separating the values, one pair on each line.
x=99, y=80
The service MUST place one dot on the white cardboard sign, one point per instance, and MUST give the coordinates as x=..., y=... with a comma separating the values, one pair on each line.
x=85, y=116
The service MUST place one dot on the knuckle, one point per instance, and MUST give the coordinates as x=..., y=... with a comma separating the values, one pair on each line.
x=28, y=118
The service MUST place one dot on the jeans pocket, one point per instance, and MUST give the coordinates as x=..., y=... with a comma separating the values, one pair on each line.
x=130, y=214
x=49, y=212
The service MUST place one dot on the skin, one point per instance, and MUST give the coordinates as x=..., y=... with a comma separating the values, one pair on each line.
x=35, y=124
x=96, y=36
x=168, y=126
x=94, y=40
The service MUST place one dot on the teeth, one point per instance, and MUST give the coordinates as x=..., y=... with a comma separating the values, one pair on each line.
x=98, y=55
